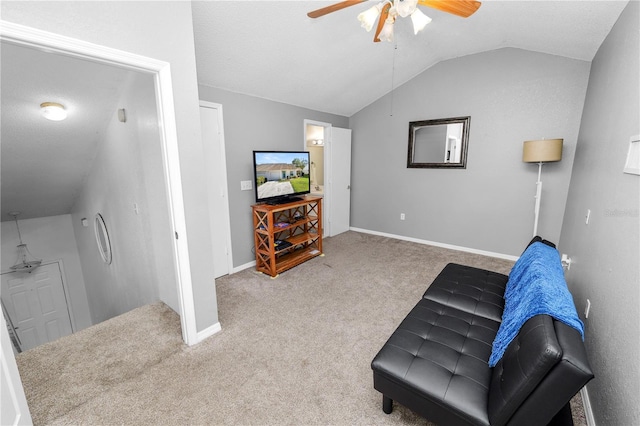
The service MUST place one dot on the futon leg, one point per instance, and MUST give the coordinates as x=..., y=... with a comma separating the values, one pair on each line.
x=387, y=404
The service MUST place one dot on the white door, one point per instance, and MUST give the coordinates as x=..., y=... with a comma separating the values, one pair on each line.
x=214, y=153
x=340, y=180
x=37, y=305
x=15, y=410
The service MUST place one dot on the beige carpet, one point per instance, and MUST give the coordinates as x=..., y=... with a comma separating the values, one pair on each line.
x=293, y=350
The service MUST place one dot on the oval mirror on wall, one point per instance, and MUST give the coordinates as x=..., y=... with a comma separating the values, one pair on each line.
x=102, y=239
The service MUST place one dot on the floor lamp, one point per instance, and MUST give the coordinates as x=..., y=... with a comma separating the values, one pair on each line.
x=541, y=151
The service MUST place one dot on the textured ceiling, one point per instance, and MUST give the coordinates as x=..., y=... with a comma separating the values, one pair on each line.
x=44, y=163
x=266, y=49
x=274, y=51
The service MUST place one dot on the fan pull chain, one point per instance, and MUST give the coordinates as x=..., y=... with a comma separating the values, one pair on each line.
x=393, y=72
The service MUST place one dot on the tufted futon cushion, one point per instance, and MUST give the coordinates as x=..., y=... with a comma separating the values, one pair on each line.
x=441, y=354
x=469, y=289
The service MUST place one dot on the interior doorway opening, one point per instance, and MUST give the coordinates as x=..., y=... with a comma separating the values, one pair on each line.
x=160, y=72
x=316, y=142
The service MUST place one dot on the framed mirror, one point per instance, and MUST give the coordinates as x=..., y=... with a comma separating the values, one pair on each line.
x=102, y=239
x=439, y=143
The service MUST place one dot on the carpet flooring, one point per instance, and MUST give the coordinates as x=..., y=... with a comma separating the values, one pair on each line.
x=294, y=350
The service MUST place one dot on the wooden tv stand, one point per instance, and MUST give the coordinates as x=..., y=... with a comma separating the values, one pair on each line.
x=299, y=223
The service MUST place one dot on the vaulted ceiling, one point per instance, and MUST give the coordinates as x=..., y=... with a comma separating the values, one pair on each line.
x=266, y=49
x=274, y=51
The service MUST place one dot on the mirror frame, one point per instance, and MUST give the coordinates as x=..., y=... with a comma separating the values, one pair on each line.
x=102, y=239
x=415, y=125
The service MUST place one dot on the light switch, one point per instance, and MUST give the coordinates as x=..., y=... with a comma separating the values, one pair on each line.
x=245, y=185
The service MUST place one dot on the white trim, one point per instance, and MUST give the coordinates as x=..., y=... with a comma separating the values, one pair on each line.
x=223, y=153
x=209, y=331
x=588, y=411
x=243, y=267
x=34, y=38
x=436, y=244
x=67, y=293
x=10, y=377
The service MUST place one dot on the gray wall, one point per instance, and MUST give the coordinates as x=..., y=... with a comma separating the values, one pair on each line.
x=250, y=124
x=606, y=252
x=126, y=171
x=164, y=31
x=511, y=95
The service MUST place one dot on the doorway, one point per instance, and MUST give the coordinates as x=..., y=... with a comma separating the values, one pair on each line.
x=315, y=137
x=330, y=158
x=160, y=71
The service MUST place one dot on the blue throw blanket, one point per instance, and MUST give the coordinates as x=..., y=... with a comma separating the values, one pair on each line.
x=536, y=286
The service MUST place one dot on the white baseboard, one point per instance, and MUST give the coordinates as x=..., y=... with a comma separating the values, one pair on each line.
x=411, y=239
x=436, y=244
x=586, y=403
x=243, y=267
x=208, y=332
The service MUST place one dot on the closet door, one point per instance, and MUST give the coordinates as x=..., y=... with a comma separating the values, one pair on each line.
x=214, y=153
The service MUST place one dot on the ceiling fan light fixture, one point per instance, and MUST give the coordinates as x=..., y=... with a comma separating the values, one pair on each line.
x=53, y=111
x=26, y=261
x=405, y=7
x=369, y=16
x=387, y=30
x=420, y=20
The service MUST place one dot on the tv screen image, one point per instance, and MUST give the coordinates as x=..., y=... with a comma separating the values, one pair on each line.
x=280, y=175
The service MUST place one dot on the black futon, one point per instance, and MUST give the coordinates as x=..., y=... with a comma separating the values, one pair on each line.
x=436, y=361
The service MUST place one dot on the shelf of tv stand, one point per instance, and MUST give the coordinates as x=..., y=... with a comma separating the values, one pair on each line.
x=300, y=225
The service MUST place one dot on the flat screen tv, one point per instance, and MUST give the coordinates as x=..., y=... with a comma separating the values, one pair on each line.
x=280, y=176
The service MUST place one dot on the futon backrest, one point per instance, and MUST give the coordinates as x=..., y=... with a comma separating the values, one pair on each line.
x=541, y=370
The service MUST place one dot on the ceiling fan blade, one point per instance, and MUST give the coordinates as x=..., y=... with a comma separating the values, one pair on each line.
x=464, y=8
x=383, y=17
x=334, y=7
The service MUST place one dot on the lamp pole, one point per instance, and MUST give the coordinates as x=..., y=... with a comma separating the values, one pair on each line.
x=538, y=196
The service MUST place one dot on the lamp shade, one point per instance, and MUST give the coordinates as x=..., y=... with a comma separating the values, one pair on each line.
x=420, y=20
x=369, y=16
x=542, y=151
x=387, y=30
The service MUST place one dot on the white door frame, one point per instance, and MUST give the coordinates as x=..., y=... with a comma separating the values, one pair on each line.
x=218, y=108
x=326, y=152
x=161, y=71
x=15, y=410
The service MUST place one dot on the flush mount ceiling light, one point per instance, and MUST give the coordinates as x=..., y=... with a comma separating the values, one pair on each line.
x=387, y=11
x=53, y=111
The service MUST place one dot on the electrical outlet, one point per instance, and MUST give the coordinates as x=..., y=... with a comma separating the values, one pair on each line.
x=245, y=185
x=587, y=308
x=401, y=216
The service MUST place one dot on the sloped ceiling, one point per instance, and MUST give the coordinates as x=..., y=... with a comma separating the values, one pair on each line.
x=44, y=163
x=266, y=49
x=273, y=50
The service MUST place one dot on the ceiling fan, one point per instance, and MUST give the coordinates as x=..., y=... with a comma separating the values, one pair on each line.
x=388, y=10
